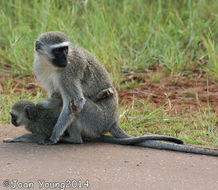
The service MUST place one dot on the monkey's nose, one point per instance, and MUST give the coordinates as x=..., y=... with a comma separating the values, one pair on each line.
x=14, y=123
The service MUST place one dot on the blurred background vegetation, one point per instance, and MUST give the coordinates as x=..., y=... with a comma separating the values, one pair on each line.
x=125, y=35
x=179, y=35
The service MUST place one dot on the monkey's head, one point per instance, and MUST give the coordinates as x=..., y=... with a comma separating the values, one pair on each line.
x=53, y=47
x=23, y=112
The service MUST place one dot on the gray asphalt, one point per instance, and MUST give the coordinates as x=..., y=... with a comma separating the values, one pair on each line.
x=105, y=166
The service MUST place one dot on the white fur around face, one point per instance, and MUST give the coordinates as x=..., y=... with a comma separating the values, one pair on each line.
x=46, y=73
x=63, y=44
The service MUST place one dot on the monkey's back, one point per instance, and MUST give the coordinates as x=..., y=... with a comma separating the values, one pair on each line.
x=95, y=76
x=95, y=79
x=45, y=121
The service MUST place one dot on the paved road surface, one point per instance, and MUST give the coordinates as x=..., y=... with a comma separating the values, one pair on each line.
x=106, y=167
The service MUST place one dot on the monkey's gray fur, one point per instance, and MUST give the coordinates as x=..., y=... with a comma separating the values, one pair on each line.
x=39, y=119
x=77, y=76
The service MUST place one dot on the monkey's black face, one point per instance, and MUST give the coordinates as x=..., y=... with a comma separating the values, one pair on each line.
x=56, y=54
x=14, y=119
x=59, y=55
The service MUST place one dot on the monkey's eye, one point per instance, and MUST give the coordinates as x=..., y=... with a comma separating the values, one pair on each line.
x=65, y=49
x=60, y=50
x=56, y=51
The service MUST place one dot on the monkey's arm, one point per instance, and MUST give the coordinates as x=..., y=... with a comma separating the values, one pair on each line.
x=69, y=94
x=65, y=118
x=73, y=93
x=30, y=138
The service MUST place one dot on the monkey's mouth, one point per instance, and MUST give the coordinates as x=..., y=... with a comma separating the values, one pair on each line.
x=59, y=63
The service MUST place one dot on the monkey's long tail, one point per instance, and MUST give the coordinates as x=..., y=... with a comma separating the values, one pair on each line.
x=131, y=140
x=177, y=147
x=121, y=137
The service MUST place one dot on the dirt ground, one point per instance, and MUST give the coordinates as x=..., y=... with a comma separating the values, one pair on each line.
x=178, y=93
x=105, y=166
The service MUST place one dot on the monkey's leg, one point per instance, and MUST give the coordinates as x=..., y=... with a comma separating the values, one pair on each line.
x=75, y=136
x=30, y=138
x=90, y=122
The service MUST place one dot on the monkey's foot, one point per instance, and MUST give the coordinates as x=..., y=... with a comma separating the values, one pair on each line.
x=104, y=94
x=47, y=141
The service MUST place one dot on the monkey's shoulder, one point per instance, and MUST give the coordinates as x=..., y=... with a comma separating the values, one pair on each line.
x=79, y=57
x=47, y=113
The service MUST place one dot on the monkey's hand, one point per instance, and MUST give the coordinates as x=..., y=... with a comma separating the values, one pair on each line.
x=8, y=140
x=55, y=94
x=78, y=105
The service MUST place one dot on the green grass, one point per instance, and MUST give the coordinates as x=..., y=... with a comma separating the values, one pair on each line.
x=123, y=34
x=8, y=100
x=194, y=127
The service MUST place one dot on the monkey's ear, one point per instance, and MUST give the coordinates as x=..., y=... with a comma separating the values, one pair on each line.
x=38, y=45
x=30, y=111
